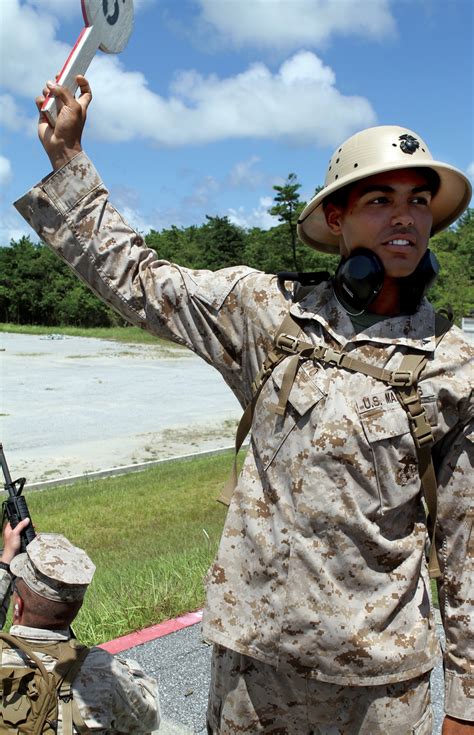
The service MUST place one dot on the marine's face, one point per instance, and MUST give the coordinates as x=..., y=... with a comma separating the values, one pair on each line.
x=390, y=214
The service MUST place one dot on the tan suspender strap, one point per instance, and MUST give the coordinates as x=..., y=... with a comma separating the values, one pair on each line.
x=271, y=361
x=423, y=436
x=287, y=382
x=242, y=431
x=70, y=710
x=423, y=440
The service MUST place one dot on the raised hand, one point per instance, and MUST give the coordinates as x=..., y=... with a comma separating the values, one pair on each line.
x=12, y=540
x=63, y=140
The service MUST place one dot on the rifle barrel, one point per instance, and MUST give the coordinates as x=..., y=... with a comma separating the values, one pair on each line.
x=6, y=472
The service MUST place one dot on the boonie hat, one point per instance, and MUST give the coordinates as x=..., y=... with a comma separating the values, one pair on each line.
x=374, y=151
x=53, y=568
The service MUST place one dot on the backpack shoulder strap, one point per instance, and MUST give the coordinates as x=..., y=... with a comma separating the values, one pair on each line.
x=413, y=365
x=288, y=326
x=15, y=642
x=66, y=671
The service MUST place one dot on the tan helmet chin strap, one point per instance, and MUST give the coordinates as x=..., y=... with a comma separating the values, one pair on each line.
x=288, y=342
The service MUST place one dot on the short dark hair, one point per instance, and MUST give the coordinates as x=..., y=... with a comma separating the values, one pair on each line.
x=341, y=196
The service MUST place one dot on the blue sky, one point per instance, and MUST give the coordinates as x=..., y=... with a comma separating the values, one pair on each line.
x=213, y=102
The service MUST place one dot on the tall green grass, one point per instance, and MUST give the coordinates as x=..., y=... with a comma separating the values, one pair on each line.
x=152, y=536
x=130, y=335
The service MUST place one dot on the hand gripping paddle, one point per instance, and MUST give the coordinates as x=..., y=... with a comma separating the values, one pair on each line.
x=108, y=25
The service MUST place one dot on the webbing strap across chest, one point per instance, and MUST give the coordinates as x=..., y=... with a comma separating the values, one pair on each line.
x=289, y=342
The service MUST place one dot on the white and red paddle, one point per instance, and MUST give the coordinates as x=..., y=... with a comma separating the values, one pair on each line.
x=108, y=25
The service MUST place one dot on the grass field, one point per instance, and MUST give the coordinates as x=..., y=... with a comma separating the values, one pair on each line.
x=152, y=536
x=130, y=335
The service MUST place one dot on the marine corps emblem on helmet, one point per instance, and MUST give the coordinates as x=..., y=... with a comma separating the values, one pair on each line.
x=408, y=144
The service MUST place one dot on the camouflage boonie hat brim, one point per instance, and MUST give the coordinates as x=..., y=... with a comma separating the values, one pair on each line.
x=54, y=568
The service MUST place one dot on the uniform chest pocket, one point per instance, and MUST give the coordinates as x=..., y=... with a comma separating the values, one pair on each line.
x=272, y=433
x=387, y=431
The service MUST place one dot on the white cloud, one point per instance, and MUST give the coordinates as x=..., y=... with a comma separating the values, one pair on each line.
x=13, y=227
x=127, y=200
x=30, y=52
x=299, y=102
x=470, y=171
x=5, y=171
x=245, y=174
x=135, y=218
x=290, y=25
x=71, y=8
x=59, y=8
x=12, y=116
x=202, y=193
x=258, y=217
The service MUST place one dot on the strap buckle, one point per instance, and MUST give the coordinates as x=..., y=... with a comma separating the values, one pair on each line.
x=401, y=378
x=422, y=433
x=332, y=357
x=287, y=343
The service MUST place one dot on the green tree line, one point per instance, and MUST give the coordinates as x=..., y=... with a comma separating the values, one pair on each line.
x=36, y=287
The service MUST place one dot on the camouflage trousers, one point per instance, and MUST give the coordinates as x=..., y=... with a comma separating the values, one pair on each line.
x=247, y=696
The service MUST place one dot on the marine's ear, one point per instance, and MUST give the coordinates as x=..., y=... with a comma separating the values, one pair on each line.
x=333, y=216
x=17, y=609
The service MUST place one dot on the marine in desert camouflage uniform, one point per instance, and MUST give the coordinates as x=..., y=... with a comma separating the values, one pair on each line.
x=318, y=601
x=113, y=694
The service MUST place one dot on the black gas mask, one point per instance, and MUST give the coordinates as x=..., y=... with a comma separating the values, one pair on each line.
x=359, y=278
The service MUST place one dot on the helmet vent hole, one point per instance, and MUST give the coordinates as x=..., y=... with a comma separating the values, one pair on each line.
x=330, y=167
x=337, y=160
x=336, y=176
x=355, y=165
x=394, y=145
x=423, y=150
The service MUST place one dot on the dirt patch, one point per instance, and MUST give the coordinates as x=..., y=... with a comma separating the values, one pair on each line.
x=80, y=405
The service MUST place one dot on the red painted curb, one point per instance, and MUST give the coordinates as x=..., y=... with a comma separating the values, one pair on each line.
x=150, y=634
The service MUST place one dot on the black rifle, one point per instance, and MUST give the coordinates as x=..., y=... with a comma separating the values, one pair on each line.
x=15, y=507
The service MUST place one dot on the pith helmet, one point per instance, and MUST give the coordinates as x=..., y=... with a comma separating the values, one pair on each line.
x=374, y=151
x=53, y=568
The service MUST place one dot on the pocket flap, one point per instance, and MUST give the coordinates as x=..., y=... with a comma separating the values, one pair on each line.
x=383, y=421
x=307, y=389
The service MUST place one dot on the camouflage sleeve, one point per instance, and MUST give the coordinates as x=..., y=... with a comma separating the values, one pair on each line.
x=135, y=702
x=5, y=594
x=71, y=212
x=456, y=555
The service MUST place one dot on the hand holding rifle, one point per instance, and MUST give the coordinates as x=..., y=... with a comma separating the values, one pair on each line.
x=15, y=510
